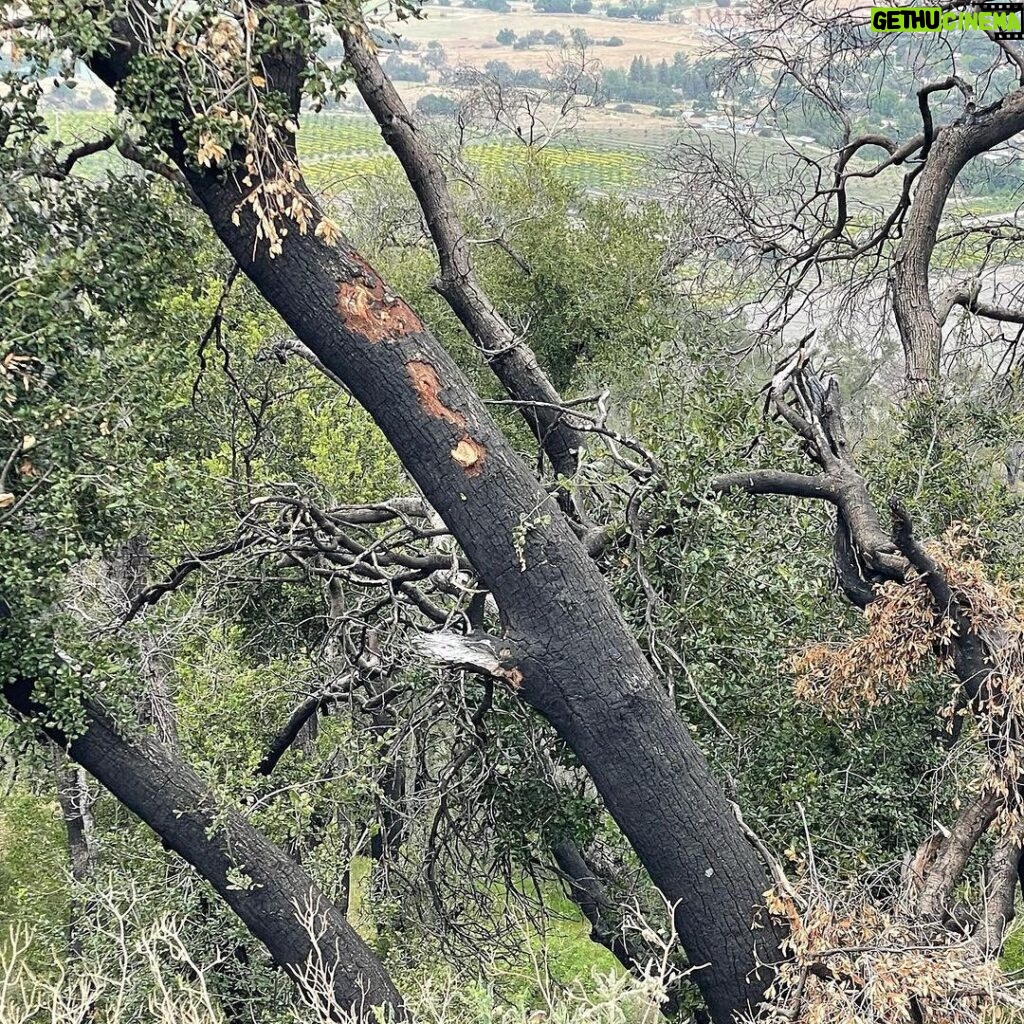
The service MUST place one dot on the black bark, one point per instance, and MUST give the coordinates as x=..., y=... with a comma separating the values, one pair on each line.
x=580, y=667
x=226, y=850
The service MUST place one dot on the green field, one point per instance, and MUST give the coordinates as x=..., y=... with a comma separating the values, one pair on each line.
x=341, y=151
x=338, y=151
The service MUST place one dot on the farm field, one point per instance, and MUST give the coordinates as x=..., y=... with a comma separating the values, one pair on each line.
x=339, y=151
x=335, y=150
x=608, y=153
x=468, y=34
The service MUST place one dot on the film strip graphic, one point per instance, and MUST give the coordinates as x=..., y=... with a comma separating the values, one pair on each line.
x=1014, y=9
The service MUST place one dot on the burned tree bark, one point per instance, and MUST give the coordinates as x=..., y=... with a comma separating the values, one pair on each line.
x=512, y=361
x=579, y=666
x=272, y=895
x=919, y=316
x=73, y=797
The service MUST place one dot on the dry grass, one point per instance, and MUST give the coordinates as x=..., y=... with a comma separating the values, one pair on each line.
x=468, y=35
x=146, y=974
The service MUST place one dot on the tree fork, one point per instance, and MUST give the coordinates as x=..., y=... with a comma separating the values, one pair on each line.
x=511, y=359
x=581, y=668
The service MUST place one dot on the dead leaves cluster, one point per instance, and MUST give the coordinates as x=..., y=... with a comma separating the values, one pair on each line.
x=857, y=961
x=239, y=129
x=907, y=634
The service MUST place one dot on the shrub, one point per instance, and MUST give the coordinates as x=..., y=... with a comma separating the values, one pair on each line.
x=501, y=6
x=434, y=105
x=403, y=70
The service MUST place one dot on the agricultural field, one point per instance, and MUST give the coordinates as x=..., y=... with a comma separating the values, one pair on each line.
x=338, y=149
x=608, y=153
x=468, y=34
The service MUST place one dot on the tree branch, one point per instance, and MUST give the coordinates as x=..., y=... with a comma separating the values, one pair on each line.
x=164, y=791
x=512, y=361
x=772, y=481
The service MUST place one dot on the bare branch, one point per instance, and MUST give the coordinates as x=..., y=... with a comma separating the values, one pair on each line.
x=301, y=714
x=512, y=361
x=281, y=348
x=771, y=481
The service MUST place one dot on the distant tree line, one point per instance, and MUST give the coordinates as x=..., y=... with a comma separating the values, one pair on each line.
x=553, y=37
x=659, y=83
x=563, y=6
x=636, y=9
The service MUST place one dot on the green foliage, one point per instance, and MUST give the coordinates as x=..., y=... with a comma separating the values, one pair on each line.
x=139, y=401
x=725, y=590
x=74, y=440
x=580, y=322
x=954, y=461
x=33, y=852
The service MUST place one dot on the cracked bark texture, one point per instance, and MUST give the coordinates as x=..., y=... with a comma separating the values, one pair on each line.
x=582, y=670
x=223, y=847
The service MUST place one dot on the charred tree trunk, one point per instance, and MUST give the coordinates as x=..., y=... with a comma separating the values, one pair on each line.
x=581, y=668
x=261, y=884
x=574, y=657
x=944, y=153
x=73, y=797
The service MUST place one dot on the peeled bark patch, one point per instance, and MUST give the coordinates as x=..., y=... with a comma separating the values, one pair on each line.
x=369, y=308
x=428, y=389
x=470, y=455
